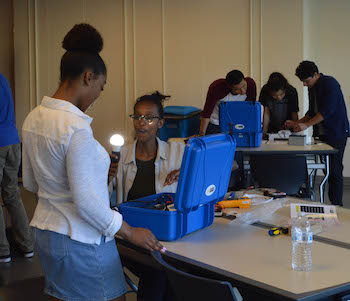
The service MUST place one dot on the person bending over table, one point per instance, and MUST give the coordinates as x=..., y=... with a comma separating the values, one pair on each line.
x=280, y=101
x=68, y=168
x=235, y=87
x=146, y=167
x=327, y=115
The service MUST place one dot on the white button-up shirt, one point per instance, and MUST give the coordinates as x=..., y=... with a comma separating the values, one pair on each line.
x=68, y=168
x=169, y=158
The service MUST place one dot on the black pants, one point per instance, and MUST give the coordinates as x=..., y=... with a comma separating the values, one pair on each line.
x=335, y=181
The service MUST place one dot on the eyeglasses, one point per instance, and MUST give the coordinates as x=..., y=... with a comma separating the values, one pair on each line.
x=148, y=118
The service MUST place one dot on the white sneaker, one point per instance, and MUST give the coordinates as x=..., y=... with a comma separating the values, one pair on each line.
x=5, y=259
x=28, y=254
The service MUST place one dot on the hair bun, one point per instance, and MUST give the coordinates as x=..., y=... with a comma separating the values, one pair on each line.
x=160, y=96
x=83, y=37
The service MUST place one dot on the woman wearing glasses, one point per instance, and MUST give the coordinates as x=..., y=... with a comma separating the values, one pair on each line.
x=148, y=165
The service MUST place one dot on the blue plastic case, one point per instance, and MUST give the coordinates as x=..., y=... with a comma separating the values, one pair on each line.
x=184, y=111
x=180, y=121
x=203, y=181
x=245, y=116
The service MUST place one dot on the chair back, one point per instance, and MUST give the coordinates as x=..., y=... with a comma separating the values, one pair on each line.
x=282, y=172
x=188, y=287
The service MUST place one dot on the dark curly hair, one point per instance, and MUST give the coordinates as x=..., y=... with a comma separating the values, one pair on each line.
x=156, y=98
x=306, y=69
x=82, y=43
x=276, y=82
x=234, y=77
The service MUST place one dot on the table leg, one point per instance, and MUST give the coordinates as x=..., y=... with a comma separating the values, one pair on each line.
x=312, y=184
x=324, y=181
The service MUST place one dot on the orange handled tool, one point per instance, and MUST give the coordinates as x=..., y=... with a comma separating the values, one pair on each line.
x=240, y=203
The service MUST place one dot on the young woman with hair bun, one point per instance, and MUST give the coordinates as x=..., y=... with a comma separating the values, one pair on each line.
x=68, y=169
x=148, y=166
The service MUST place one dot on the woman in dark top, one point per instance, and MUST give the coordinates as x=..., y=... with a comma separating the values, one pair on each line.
x=280, y=101
x=148, y=166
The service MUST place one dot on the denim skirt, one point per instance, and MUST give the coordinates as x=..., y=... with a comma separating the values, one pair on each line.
x=76, y=271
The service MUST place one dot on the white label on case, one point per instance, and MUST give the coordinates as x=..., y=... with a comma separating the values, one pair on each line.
x=239, y=126
x=210, y=190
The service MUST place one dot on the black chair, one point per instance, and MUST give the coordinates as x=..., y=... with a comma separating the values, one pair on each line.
x=285, y=173
x=131, y=284
x=190, y=287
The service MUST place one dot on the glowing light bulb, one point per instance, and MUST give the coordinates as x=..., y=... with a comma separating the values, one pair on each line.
x=117, y=141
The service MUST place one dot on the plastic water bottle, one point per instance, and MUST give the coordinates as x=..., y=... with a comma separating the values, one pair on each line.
x=301, y=239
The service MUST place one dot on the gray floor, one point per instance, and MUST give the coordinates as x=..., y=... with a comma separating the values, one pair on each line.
x=26, y=273
x=23, y=277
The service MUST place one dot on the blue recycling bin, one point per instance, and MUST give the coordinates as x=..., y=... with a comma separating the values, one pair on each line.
x=180, y=122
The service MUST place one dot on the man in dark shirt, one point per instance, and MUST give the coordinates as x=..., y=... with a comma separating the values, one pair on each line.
x=328, y=116
x=235, y=87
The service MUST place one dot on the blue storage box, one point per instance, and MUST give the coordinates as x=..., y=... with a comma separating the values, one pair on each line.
x=244, y=117
x=203, y=181
x=180, y=121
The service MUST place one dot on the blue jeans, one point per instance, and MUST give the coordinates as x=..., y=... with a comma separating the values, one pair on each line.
x=77, y=271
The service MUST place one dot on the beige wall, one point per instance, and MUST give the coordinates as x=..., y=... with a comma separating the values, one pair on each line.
x=327, y=43
x=282, y=40
x=171, y=46
x=109, y=111
x=6, y=45
x=177, y=47
x=202, y=43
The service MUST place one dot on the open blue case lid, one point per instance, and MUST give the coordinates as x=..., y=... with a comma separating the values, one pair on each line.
x=205, y=171
x=180, y=110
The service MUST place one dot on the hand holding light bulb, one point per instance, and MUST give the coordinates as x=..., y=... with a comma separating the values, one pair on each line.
x=117, y=141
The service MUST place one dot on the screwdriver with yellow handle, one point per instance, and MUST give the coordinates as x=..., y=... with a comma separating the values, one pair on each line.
x=278, y=230
x=239, y=203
